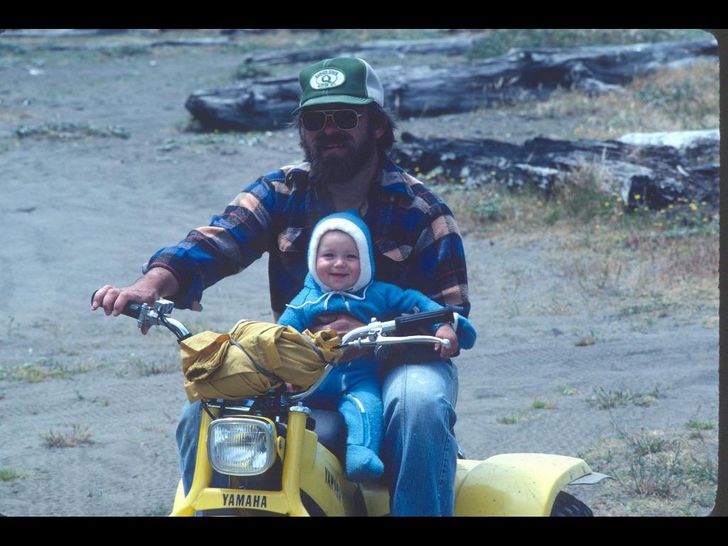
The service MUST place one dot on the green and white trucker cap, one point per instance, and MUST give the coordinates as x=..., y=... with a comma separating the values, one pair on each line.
x=344, y=80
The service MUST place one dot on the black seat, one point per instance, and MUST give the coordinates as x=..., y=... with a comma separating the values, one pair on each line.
x=331, y=431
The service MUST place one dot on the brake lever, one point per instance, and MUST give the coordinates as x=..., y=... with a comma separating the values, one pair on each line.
x=158, y=315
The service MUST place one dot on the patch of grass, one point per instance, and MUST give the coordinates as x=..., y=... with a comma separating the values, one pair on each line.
x=495, y=42
x=567, y=390
x=685, y=97
x=585, y=341
x=32, y=373
x=583, y=195
x=655, y=307
x=657, y=472
x=659, y=466
x=510, y=419
x=676, y=99
x=251, y=70
x=695, y=424
x=581, y=199
x=646, y=442
x=495, y=210
x=145, y=368
x=41, y=370
x=9, y=475
x=70, y=131
x=702, y=470
x=539, y=404
x=653, y=260
x=654, y=271
x=608, y=398
x=490, y=209
x=78, y=435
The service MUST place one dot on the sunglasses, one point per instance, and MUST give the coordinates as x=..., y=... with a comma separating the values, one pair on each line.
x=314, y=120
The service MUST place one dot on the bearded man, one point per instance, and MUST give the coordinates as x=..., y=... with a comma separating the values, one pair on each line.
x=345, y=135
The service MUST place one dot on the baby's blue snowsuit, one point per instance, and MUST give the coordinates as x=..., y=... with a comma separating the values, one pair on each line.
x=353, y=388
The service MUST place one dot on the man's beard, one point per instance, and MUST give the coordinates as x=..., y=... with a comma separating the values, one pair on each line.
x=333, y=169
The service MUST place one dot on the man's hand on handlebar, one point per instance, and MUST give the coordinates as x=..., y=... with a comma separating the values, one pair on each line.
x=113, y=300
x=157, y=283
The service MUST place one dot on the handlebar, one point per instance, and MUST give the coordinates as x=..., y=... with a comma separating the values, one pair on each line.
x=372, y=335
x=406, y=324
x=153, y=316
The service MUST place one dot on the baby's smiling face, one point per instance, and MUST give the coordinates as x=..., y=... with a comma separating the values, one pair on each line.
x=337, y=260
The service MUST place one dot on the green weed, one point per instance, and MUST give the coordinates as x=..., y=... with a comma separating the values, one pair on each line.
x=489, y=210
x=250, y=70
x=70, y=131
x=662, y=473
x=510, y=420
x=585, y=341
x=495, y=42
x=607, y=398
x=145, y=368
x=41, y=370
x=567, y=390
x=9, y=475
x=694, y=424
x=78, y=435
x=542, y=404
x=702, y=470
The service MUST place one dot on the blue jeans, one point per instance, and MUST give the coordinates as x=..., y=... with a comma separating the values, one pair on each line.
x=419, y=449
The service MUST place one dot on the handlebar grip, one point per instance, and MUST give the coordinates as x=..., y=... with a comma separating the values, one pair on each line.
x=130, y=309
x=410, y=324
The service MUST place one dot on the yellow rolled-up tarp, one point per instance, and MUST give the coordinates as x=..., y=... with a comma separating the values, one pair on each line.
x=254, y=357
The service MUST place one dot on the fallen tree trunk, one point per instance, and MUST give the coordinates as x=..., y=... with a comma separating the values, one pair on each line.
x=443, y=46
x=658, y=176
x=267, y=103
x=111, y=46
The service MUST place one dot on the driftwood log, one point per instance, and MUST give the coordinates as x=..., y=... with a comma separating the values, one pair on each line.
x=400, y=48
x=655, y=175
x=267, y=103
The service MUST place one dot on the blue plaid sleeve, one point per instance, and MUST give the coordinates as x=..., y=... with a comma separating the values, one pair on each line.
x=441, y=257
x=418, y=241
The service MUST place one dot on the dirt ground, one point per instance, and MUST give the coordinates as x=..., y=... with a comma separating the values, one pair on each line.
x=86, y=208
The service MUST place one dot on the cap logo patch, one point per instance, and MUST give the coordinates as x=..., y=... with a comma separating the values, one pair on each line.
x=326, y=78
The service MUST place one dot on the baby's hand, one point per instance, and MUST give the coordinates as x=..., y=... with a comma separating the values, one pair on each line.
x=446, y=332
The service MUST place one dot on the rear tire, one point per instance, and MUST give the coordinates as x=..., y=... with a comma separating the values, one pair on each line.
x=567, y=505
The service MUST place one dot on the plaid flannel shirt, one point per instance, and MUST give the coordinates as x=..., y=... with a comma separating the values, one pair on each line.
x=416, y=240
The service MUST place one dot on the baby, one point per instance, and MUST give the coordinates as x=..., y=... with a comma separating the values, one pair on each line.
x=341, y=280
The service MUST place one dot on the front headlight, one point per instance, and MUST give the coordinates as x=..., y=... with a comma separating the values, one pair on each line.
x=240, y=446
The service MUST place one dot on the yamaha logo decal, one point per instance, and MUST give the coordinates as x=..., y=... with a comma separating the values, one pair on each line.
x=329, y=77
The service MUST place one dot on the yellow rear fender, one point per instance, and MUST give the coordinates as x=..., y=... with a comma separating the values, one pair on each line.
x=514, y=484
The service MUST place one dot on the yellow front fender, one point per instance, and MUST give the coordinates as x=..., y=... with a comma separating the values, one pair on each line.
x=514, y=484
